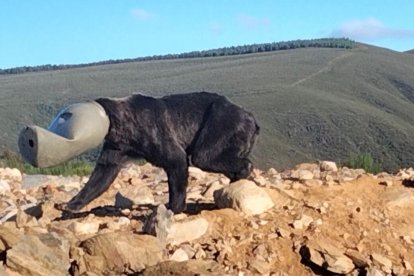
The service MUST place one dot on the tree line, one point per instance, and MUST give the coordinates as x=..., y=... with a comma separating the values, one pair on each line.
x=344, y=43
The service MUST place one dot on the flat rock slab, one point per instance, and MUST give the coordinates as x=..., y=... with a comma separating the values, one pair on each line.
x=120, y=252
x=33, y=256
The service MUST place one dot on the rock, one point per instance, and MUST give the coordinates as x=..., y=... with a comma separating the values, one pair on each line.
x=214, y=186
x=120, y=253
x=159, y=223
x=13, y=177
x=301, y=174
x=167, y=229
x=25, y=220
x=407, y=265
x=328, y=166
x=357, y=258
x=196, y=173
x=9, y=237
x=124, y=221
x=31, y=256
x=327, y=256
x=4, y=187
x=304, y=221
x=190, y=251
x=260, y=181
x=297, y=224
x=283, y=232
x=49, y=212
x=187, y=230
x=187, y=268
x=130, y=171
x=179, y=256
x=374, y=272
x=84, y=228
x=384, y=262
x=312, y=182
x=305, y=175
x=134, y=195
x=245, y=196
x=387, y=183
x=259, y=266
x=271, y=172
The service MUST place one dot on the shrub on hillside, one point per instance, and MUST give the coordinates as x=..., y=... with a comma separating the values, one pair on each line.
x=363, y=161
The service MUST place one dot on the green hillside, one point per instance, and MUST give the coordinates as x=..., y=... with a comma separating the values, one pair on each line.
x=311, y=103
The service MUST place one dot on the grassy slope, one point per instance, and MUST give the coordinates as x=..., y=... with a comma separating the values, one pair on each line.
x=311, y=103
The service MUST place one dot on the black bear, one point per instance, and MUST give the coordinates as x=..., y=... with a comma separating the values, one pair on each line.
x=200, y=129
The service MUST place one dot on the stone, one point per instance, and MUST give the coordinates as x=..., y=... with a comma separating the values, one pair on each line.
x=387, y=183
x=187, y=268
x=381, y=260
x=374, y=272
x=84, y=228
x=23, y=219
x=187, y=230
x=49, y=212
x=407, y=265
x=159, y=223
x=282, y=232
x=189, y=250
x=328, y=166
x=120, y=253
x=259, y=266
x=9, y=237
x=304, y=221
x=214, y=186
x=357, y=258
x=305, y=175
x=134, y=195
x=4, y=187
x=271, y=171
x=297, y=224
x=173, y=231
x=196, y=173
x=13, y=176
x=245, y=196
x=32, y=256
x=327, y=256
x=124, y=221
x=179, y=256
x=260, y=181
x=130, y=171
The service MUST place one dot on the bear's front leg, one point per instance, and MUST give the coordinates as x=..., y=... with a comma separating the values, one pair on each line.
x=177, y=173
x=100, y=180
x=106, y=170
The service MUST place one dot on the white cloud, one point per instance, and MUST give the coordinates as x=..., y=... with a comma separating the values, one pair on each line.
x=370, y=29
x=141, y=14
x=251, y=22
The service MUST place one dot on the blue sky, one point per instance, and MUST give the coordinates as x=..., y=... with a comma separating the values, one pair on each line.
x=35, y=32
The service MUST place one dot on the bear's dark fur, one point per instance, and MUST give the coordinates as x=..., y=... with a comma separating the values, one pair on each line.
x=201, y=129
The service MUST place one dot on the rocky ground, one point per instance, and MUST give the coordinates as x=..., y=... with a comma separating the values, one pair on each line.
x=314, y=219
